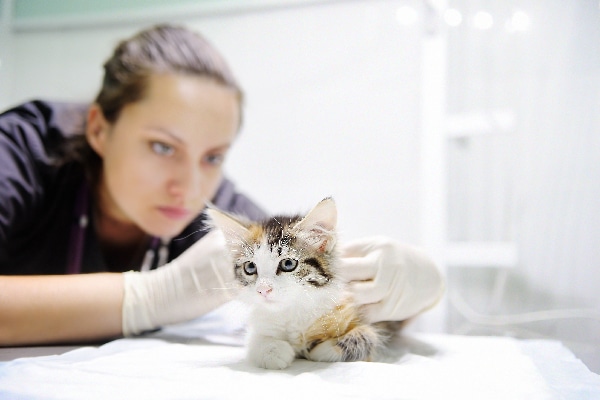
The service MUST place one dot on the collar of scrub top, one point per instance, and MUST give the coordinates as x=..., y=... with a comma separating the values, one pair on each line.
x=157, y=249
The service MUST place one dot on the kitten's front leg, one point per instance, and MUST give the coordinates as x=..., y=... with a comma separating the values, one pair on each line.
x=269, y=352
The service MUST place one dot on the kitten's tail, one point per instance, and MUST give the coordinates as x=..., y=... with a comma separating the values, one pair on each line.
x=387, y=330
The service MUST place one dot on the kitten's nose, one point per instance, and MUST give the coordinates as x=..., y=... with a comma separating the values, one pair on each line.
x=264, y=289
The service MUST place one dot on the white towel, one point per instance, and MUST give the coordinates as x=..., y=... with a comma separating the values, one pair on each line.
x=205, y=360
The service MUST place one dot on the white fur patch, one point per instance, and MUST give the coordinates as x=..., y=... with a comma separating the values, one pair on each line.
x=270, y=353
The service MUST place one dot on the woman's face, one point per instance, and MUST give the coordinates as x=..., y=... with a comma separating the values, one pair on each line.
x=163, y=157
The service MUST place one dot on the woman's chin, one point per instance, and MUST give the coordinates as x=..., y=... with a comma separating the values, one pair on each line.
x=165, y=230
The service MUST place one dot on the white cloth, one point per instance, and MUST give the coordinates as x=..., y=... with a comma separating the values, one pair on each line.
x=205, y=360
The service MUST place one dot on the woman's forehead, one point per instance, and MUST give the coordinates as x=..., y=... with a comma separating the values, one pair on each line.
x=185, y=106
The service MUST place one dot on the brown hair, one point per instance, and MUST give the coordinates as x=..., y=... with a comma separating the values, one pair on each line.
x=157, y=50
x=161, y=49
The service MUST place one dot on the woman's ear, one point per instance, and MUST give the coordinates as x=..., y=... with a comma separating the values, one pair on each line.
x=97, y=129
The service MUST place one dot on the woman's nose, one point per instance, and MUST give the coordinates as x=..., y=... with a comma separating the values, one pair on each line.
x=187, y=184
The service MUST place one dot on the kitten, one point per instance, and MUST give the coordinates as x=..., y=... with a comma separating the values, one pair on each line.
x=299, y=308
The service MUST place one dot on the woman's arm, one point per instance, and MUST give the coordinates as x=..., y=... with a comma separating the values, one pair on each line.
x=60, y=308
x=76, y=308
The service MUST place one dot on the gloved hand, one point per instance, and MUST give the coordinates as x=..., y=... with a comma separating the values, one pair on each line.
x=392, y=281
x=196, y=282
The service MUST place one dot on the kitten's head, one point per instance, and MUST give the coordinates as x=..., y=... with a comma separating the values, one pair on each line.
x=283, y=259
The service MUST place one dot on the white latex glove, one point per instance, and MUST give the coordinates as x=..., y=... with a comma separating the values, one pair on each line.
x=393, y=281
x=196, y=282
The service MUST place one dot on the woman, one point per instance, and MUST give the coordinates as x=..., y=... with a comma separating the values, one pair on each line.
x=79, y=210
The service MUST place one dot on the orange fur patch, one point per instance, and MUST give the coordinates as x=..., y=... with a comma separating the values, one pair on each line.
x=339, y=321
x=256, y=233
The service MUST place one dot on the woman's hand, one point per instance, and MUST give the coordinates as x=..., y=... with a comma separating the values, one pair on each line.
x=392, y=281
x=198, y=281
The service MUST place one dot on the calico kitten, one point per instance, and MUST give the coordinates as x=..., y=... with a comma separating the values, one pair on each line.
x=299, y=308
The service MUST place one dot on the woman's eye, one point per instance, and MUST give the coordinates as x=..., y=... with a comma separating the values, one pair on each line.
x=162, y=149
x=214, y=159
x=249, y=268
x=288, y=264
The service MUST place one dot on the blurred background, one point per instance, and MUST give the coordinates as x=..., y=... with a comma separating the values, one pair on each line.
x=468, y=127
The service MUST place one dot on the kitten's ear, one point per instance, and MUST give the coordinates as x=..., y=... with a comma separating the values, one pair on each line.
x=234, y=230
x=318, y=226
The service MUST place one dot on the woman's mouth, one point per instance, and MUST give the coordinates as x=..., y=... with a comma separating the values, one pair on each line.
x=176, y=213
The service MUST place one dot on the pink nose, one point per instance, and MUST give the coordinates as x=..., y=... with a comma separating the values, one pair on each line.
x=264, y=290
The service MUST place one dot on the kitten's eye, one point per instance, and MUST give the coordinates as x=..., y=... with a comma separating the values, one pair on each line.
x=288, y=265
x=249, y=268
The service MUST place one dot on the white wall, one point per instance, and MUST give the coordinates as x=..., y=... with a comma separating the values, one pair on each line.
x=539, y=182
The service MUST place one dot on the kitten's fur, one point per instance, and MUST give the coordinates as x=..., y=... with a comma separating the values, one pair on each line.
x=287, y=265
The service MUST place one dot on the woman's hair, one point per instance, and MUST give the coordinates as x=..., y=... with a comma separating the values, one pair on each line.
x=162, y=49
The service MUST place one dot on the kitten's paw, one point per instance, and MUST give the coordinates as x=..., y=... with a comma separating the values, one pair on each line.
x=356, y=345
x=327, y=351
x=272, y=354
